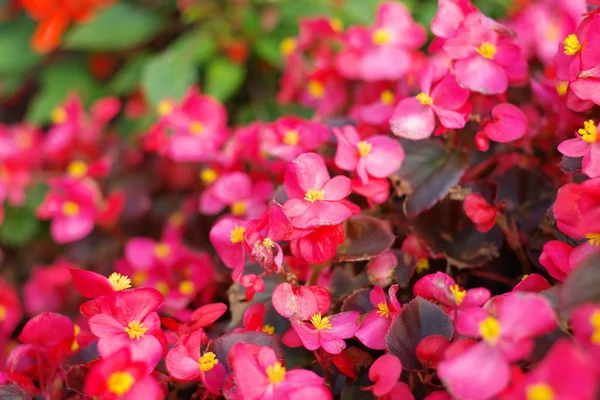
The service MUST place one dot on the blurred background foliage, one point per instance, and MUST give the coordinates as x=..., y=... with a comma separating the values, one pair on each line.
x=146, y=50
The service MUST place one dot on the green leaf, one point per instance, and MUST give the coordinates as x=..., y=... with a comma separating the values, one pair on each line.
x=224, y=78
x=57, y=81
x=267, y=48
x=129, y=77
x=20, y=226
x=16, y=54
x=120, y=27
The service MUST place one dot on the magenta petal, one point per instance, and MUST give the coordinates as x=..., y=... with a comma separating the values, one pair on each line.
x=372, y=331
x=412, y=120
x=385, y=372
x=322, y=213
x=586, y=89
x=309, y=336
x=232, y=187
x=307, y=172
x=385, y=158
x=181, y=366
x=481, y=75
x=575, y=147
x=70, y=229
x=449, y=94
x=450, y=119
x=131, y=305
x=103, y=325
x=377, y=295
x=232, y=254
x=468, y=321
x=525, y=315
x=590, y=165
x=333, y=345
x=346, y=155
x=337, y=188
x=344, y=325
x=145, y=389
x=295, y=207
x=490, y=376
x=139, y=253
x=476, y=297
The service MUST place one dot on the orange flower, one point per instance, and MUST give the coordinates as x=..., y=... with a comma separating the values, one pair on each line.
x=55, y=16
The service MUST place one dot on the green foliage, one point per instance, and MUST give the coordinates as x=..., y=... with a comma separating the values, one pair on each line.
x=16, y=55
x=223, y=78
x=20, y=224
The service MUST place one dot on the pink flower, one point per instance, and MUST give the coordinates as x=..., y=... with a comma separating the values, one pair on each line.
x=584, y=145
x=260, y=375
x=185, y=362
x=253, y=284
x=377, y=191
x=442, y=287
x=320, y=245
x=288, y=137
x=72, y=206
x=315, y=199
x=377, y=156
x=385, y=372
x=484, y=59
x=449, y=16
x=566, y=372
x=128, y=321
x=327, y=332
x=585, y=321
x=508, y=124
x=48, y=288
x=382, y=269
x=121, y=377
x=375, y=102
x=480, y=212
x=574, y=203
x=579, y=50
x=237, y=191
x=383, y=51
x=92, y=285
x=376, y=324
x=415, y=117
x=300, y=302
x=507, y=337
x=227, y=237
x=555, y=258
x=10, y=310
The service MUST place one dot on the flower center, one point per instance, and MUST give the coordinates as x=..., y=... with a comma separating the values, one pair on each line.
x=287, y=46
x=2, y=313
x=196, y=128
x=238, y=208
x=320, y=322
x=291, y=137
x=266, y=328
x=120, y=382
x=381, y=36
x=119, y=282
x=336, y=24
x=387, y=97
x=186, y=287
x=208, y=175
x=164, y=107
x=162, y=287
x=136, y=330
x=572, y=45
x=487, y=50
x=316, y=89
x=162, y=250
x=75, y=344
x=70, y=208
x=422, y=265
x=364, y=148
x=589, y=133
x=58, y=115
x=276, y=373
x=208, y=361
x=77, y=169
x=458, y=293
x=425, y=99
x=383, y=310
x=139, y=278
x=489, y=329
x=594, y=320
x=237, y=234
x=561, y=88
x=268, y=242
x=314, y=195
x=540, y=391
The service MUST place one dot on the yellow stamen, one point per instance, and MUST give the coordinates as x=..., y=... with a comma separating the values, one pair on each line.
x=186, y=288
x=287, y=46
x=572, y=45
x=276, y=373
x=165, y=107
x=316, y=89
x=381, y=36
x=487, y=50
x=422, y=265
x=425, y=99
x=207, y=361
x=136, y=330
x=119, y=282
x=320, y=322
x=208, y=175
x=540, y=391
x=177, y=218
x=383, y=310
x=524, y=277
x=291, y=137
x=70, y=208
x=458, y=293
x=364, y=148
x=314, y=195
x=77, y=169
x=270, y=329
x=196, y=128
x=268, y=242
x=75, y=345
x=336, y=24
x=2, y=312
x=489, y=329
x=237, y=234
x=58, y=115
x=589, y=133
x=139, y=278
x=561, y=88
x=119, y=382
x=163, y=287
x=238, y=208
x=387, y=97
x=595, y=321
x=162, y=250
